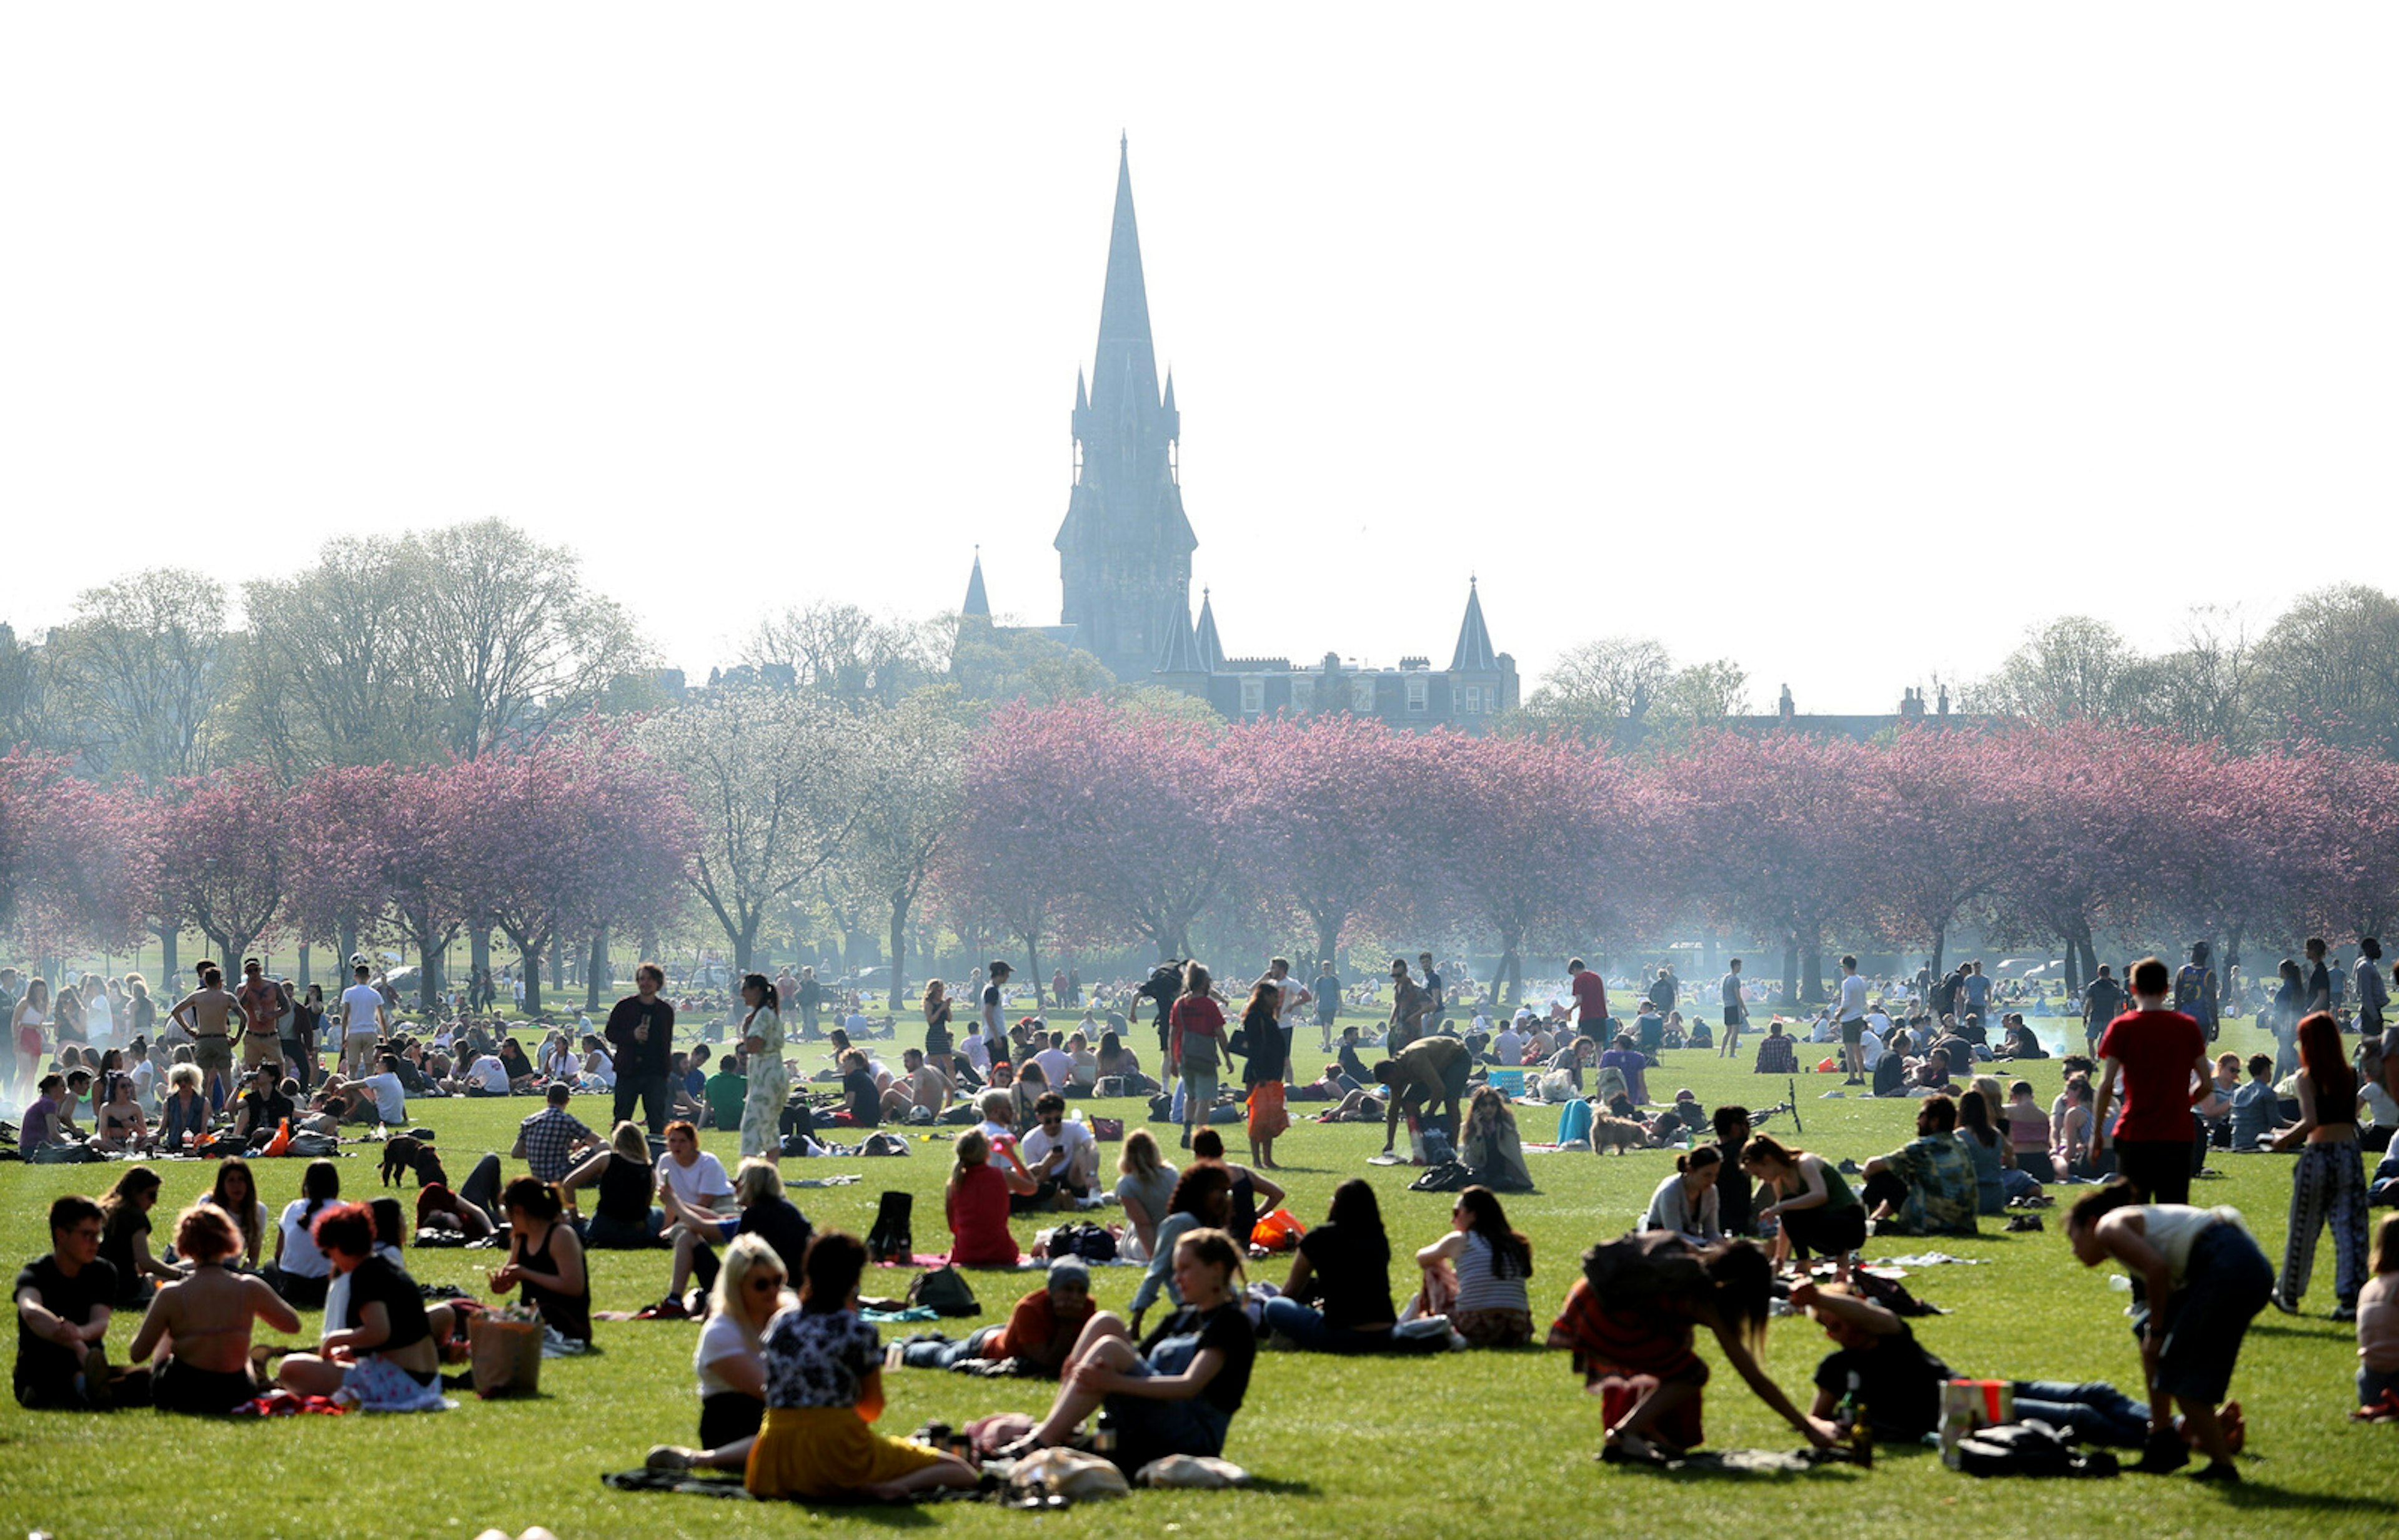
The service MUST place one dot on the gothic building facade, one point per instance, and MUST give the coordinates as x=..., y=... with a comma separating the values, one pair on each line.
x=1124, y=553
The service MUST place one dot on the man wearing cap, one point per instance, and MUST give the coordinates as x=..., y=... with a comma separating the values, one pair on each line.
x=1040, y=1330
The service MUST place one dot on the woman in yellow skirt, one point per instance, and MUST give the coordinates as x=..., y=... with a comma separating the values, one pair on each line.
x=824, y=1384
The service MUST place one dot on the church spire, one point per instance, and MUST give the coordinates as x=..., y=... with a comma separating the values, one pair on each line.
x=978, y=604
x=1212, y=650
x=1125, y=375
x=1475, y=654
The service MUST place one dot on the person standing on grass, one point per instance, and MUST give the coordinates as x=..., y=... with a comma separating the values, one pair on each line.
x=1291, y=998
x=365, y=1022
x=1736, y=1010
x=2159, y=1057
x=2329, y=1180
x=2102, y=1003
x=640, y=1032
x=1852, y=1013
x=207, y=1013
x=1269, y=1065
x=770, y=1083
x=2203, y=1280
x=1411, y=1015
x=2373, y=994
x=1327, y=993
x=1195, y=1045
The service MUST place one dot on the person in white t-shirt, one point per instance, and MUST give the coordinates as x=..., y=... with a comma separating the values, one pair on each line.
x=364, y=1020
x=390, y=1096
x=1296, y=997
x=692, y=1174
x=1057, y=1065
x=1850, y=1015
x=1060, y=1152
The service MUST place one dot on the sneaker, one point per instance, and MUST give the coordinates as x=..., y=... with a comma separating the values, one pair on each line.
x=97, y=1392
x=2285, y=1307
x=669, y=1457
x=2217, y=1470
x=2024, y=1222
x=2345, y=1312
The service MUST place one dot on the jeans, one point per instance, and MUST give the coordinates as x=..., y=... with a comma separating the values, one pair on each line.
x=2098, y=1413
x=941, y=1355
x=1307, y=1328
x=481, y=1187
x=2015, y=1182
x=654, y=1094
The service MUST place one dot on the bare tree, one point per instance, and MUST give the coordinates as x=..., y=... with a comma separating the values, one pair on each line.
x=1604, y=689
x=845, y=654
x=2073, y=669
x=138, y=671
x=338, y=668
x=2329, y=667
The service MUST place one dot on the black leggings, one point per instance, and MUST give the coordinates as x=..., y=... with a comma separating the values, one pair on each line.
x=201, y=1392
x=1827, y=1231
x=729, y=1415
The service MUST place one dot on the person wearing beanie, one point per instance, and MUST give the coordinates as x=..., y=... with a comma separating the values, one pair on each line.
x=1040, y=1330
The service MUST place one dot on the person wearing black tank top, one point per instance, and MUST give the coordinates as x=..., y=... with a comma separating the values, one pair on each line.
x=545, y=1260
x=623, y=1219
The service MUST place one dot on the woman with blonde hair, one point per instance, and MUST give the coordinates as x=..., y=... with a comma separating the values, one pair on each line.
x=750, y=1289
x=975, y=1200
x=183, y=1115
x=623, y=1219
x=1144, y=1184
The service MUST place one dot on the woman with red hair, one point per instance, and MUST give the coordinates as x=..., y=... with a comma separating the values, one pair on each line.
x=2329, y=1181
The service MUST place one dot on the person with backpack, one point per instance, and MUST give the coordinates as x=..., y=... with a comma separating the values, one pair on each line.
x=1634, y=1314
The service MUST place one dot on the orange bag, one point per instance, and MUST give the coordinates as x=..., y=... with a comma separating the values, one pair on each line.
x=1278, y=1232
x=281, y=1143
x=1828, y=1066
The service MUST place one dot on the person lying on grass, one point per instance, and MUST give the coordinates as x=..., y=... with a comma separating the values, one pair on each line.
x=1034, y=1340
x=1175, y=1391
x=1658, y=1290
x=824, y=1369
x=750, y=1289
x=1878, y=1365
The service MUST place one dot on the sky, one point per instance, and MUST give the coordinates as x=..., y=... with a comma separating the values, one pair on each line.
x=1845, y=342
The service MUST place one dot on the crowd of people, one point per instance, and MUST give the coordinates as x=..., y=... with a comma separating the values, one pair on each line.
x=790, y=1375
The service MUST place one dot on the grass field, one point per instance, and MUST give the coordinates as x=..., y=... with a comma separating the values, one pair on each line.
x=1474, y=1443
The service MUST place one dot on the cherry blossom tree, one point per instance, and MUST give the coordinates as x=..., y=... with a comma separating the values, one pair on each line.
x=224, y=847
x=1327, y=794
x=1026, y=801
x=1940, y=811
x=71, y=855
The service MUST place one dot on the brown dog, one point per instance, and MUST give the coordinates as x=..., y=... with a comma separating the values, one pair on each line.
x=406, y=1153
x=1624, y=1133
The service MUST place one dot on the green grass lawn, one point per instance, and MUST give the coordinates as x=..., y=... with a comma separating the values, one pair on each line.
x=1474, y=1443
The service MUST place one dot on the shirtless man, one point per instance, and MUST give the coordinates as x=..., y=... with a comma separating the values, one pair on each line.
x=207, y=1013
x=262, y=1007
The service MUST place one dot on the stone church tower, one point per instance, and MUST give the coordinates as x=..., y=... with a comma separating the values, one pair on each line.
x=1124, y=551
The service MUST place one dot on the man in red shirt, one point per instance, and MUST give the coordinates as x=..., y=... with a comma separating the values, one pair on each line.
x=1590, y=1000
x=2160, y=1056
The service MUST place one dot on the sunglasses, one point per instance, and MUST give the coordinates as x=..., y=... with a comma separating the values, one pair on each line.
x=764, y=1282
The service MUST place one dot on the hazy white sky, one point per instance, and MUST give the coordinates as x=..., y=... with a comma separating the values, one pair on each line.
x=1841, y=341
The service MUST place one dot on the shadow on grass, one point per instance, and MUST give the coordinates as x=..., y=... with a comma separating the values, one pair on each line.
x=2269, y=1498
x=1739, y=1465
x=1281, y=1489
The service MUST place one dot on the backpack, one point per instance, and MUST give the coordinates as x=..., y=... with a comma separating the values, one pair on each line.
x=1443, y=1176
x=2027, y=1449
x=1088, y=1241
x=944, y=1291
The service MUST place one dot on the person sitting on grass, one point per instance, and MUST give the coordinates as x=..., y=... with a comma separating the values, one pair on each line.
x=1493, y=1263
x=750, y=1289
x=2378, y=1329
x=63, y=1304
x=299, y=1271
x=1878, y=1365
x=120, y=1128
x=824, y=1372
x=2256, y=1108
x=1174, y=1391
x=125, y=1241
x=1060, y=1155
x=1658, y=1290
x=1925, y=1187
x=545, y=1262
x=1489, y=1144
x=1202, y=1198
x=1034, y=1340
x=979, y=1197
x=384, y=1357
x=2203, y=1281
x=725, y=1093
x=1814, y=1211
x=200, y=1325
x=1253, y=1193
x=1145, y=1183
x=1685, y=1202
x=766, y=1212
x=623, y=1219
x=183, y=1116
x=1344, y=1266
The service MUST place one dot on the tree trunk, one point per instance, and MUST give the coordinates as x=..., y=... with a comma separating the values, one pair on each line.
x=592, y=971
x=2225, y=968
x=557, y=966
x=1788, y=995
x=305, y=979
x=1509, y=975
x=898, y=951
x=1033, y=967
x=167, y=963
x=1813, y=959
x=346, y=937
x=745, y=943
x=1328, y=935
x=479, y=950
x=1940, y=941
x=529, y=962
x=2090, y=957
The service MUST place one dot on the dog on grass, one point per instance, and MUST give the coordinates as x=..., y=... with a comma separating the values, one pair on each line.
x=1624, y=1133
x=406, y=1153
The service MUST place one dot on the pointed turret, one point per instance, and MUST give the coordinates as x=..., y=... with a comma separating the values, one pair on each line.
x=1126, y=375
x=1212, y=650
x=978, y=604
x=1180, y=656
x=1475, y=654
